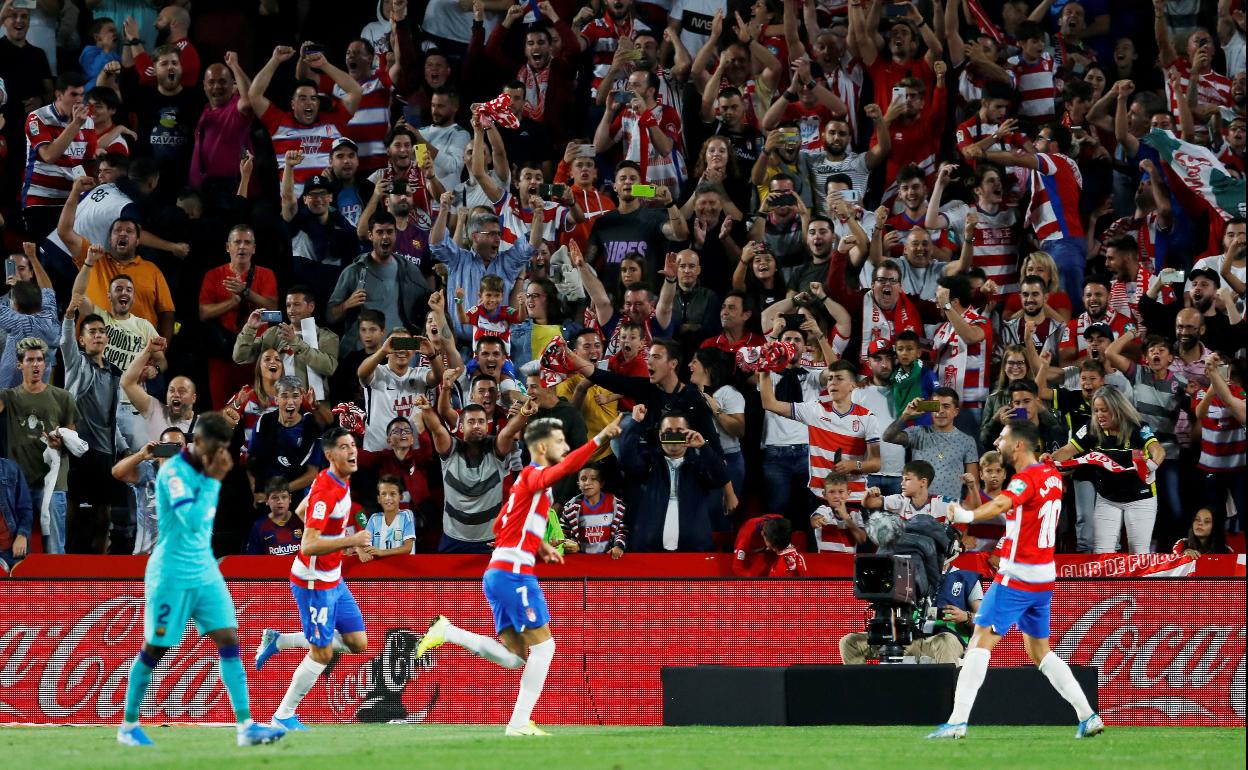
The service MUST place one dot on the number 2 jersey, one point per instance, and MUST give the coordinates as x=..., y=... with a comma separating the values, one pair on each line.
x=329, y=505
x=1026, y=551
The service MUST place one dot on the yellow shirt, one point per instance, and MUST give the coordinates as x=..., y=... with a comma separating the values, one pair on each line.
x=151, y=291
x=597, y=416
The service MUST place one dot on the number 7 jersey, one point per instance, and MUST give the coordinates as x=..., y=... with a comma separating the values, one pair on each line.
x=1026, y=551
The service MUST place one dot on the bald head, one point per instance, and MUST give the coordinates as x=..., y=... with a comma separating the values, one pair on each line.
x=1189, y=324
x=218, y=84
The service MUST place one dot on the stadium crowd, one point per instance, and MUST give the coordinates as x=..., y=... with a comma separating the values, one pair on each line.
x=817, y=252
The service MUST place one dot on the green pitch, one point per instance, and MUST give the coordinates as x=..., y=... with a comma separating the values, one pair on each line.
x=376, y=747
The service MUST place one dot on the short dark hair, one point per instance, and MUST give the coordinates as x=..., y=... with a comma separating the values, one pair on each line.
x=908, y=335
x=372, y=315
x=1099, y=280
x=400, y=131
x=490, y=340
x=747, y=302
x=105, y=96
x=120, y=163
x=392, y=480
x=329, y=439
x=304, y=83
x=481, y=378
x=143, y=170
x=71, y=79
x=946, y=392
x=276, y=484
x=120, y=277
x=1077, y=89
x=730, y=92
x=445, y=90
x=1028, y=385
x=214, y=427
x=627, y=164
x=1036, y=280
x=304, y=290
x=586, y=330
x=91, y=318
x=1060, y=135
x=1151, y=341
x=959, y=288
x=381, y=218
x=1123, y=243
x=778, y=533
x=1024, y=430
x=843, y=365
x=540, y=430
x=909, y=173
x=1030, y=30
x=671, y=347
x=27, y=299
x=921, y=468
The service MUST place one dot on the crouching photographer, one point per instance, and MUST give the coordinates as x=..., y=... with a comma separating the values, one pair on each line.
x=922, y=609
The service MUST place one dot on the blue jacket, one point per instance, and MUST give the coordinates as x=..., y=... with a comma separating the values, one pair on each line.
x=15, y=502
x=701, y=477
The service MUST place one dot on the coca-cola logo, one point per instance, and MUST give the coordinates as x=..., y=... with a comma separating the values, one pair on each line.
x=1174, y=664
x=79, y=671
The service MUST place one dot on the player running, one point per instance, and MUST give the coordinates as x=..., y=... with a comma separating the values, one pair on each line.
x=331, y=619
x=520, y=615
x=182, y=581
x=1022, y=593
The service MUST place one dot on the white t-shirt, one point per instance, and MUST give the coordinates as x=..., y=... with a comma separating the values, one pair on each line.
x=875, y=398
x=781, y=431
x=732, y=402
x=388, y=396
x=695, y=17
x=937, y=507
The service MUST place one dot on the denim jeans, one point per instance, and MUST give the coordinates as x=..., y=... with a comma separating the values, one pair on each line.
x=783, y=466
x=1085, y=507
x=1170, y=526
x=1071, y=256
x=1217, y=486
x=53, y=526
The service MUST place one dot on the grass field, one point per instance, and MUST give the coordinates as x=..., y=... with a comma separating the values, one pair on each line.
x=622, y=748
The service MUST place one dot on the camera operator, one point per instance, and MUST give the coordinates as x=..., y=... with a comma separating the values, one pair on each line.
x=945, y=638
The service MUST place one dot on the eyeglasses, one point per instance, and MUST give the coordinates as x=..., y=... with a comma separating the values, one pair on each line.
x=490, y=233
x=887, y=281
x=1015, y=363
x=534, y=295
x=400, y=431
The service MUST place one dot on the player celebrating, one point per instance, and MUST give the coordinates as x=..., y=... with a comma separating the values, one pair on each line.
x=520, y=615
x=331, y=619
x=1022, y=593
x=182, y=581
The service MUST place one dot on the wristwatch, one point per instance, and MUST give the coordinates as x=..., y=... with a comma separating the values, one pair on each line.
x=135, y=41
x=858, y=465
x=947, y=306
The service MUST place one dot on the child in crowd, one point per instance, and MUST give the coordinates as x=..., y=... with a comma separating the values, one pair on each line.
x=593, y=521
x=839, y=528
x=489, y=318
x=393, y=530
x=911, y=377
x=629, y=361
x=1202, y=537
x=279, y=533
x=778, y=536
x=371, y=329
x=983, y=535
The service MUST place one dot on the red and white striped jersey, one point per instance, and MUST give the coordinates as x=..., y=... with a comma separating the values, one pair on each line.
x=417, y=189
x=961, y=366
x=1214, y=88
x=1144, y=230
x=329, y=506
x=1026, y=551
x=1124, y=296
x=1037, y=86
x=118, y=145
x=596, y=528
x=518, y=222
x=655, y=167
x=521, y=524
x=1072, y=332
x=994, y=248
x=49, y=183
x=368, y=126
x=830, y=431
x=603, y=36
x=973, y=129
x=314, y=140
x=1054, y=209
x=496, y=324
x=834, y=537
x=1223, y=440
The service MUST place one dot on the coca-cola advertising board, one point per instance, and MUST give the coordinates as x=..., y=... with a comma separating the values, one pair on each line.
x=1169, y=651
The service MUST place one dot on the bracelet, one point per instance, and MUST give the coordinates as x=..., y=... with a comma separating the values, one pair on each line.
x=134, y=41
x=459, y=300
x=668, y=280
x=789, y=96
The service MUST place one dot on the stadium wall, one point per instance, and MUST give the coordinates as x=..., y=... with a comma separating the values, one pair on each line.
x=1170, y=651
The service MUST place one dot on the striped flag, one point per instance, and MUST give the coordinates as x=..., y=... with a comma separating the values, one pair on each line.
x=1196, y=171
x=980, y=19
x=497, y=110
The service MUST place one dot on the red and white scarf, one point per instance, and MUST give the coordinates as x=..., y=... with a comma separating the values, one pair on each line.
x=879, y=324
x=1105, y=462
x=497, y=110
x=535, y=83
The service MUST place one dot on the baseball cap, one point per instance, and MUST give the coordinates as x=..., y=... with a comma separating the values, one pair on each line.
x=317, y=182
x=880, y=346
x=343, y=141
x=1205, y=272
x=1102, y=329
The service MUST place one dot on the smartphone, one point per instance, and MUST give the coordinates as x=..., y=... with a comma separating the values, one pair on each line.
x=398, y=187
x=359, y=284
x=928, y=406
x=1224, y=371
x=672, y=437
x=643, y=191
x=850, y=195
x=551, y=191
x=556, y=273
x=311, y=49
x=896, y=10
x=790, y=136
x=168, y=449
x=784, y=199
x=633, y=55
x=422, y=154
x=271, y=316
x=1020, y=414
x=899, y=94
x=585, y=151
x=405, y=343
x=623, y=97
x=1170, y=275
x=836, y=458
x=793, y=321
x=10, y=268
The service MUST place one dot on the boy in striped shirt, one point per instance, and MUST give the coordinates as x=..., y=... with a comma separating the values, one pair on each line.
x=593, y=520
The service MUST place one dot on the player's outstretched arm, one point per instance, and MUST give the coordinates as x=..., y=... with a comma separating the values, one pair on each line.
x=315, y=544
x=989, y=510
x=576, y=459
